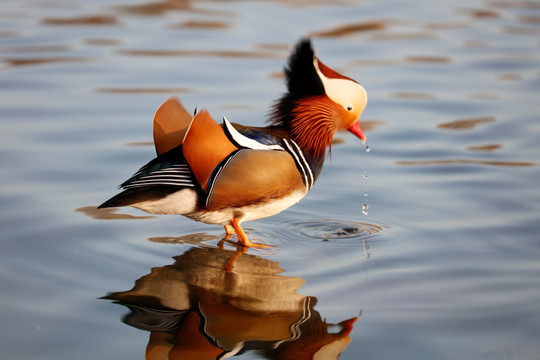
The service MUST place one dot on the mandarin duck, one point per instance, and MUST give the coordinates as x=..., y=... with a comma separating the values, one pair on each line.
x=227, y=174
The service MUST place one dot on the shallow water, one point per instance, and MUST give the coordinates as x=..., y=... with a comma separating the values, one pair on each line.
x=445, y=265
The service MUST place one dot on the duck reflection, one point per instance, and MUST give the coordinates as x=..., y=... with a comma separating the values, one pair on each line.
x=194, y=309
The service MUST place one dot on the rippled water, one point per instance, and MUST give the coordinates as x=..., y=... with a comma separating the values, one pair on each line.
x=445, y=265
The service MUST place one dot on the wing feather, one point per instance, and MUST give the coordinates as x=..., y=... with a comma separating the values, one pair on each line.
x=171, y=121
x=205, y=146
x=170, y=168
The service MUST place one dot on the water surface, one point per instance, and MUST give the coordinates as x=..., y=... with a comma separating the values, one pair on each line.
x=445, y=264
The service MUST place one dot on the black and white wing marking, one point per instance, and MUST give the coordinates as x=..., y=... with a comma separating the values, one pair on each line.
x=258, y=142
x=168, y=169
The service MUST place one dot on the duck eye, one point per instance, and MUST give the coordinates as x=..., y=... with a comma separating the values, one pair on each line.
x=349, y=108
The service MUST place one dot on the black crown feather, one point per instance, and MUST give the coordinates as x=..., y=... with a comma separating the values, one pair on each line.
x=302, y=78
x=302, y=81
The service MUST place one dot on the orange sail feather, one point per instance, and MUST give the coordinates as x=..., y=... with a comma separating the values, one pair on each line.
x=205, y=146
x=171, y=121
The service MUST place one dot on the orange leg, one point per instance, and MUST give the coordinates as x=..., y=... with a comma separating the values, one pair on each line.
x=242, y=237
x=229, y=231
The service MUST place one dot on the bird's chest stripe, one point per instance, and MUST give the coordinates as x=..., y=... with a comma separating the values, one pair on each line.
x=307, y=175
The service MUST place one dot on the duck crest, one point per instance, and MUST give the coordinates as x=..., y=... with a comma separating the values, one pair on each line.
x=305, y=111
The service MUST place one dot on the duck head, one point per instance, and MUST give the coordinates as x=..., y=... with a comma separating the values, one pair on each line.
x=319, y=102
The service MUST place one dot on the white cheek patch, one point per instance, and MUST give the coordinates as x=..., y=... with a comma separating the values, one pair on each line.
x=343, y=91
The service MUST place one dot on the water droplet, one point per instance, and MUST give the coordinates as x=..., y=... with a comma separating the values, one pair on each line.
x=366, y=249
x=368, y=149
x=365, y=209
x=365, y=206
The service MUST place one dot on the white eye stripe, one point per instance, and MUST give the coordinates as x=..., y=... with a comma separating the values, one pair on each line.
x=342, y=91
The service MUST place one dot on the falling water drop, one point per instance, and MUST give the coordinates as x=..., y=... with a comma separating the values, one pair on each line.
x=365, y=206
x=366, y=249
x=368, y=149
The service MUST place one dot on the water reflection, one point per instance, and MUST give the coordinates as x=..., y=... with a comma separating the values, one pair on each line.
x=201, y=53
x=83, y=20
x=38, y=61
x=155, y=8
x=195, y=309
x=487, y=147
x=466, y=162
x=466, y=124
x=349, y=29
x=109, y=214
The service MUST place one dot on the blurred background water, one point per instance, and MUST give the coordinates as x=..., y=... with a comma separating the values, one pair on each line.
x=445, y=265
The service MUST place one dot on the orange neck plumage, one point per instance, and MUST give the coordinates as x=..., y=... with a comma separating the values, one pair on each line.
x=313, y=124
